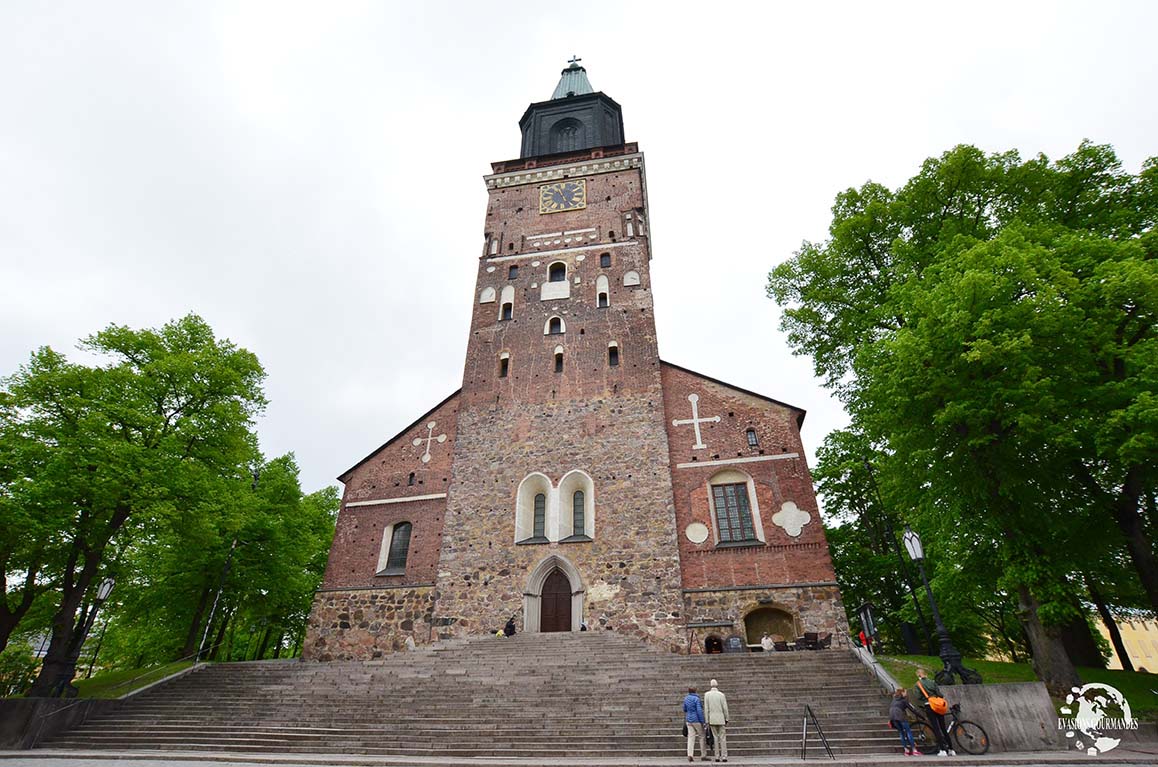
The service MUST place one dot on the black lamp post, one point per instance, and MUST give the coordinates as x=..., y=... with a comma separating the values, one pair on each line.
x=102, y=595
x=949, y=654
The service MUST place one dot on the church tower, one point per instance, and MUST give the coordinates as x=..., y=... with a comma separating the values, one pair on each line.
x=561, y=411
x=575, y=478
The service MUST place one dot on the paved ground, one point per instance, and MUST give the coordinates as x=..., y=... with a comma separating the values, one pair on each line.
x=1126, y=754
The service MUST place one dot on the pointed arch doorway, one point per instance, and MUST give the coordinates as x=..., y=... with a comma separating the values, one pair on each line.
x=553, y=599
x=555, y=605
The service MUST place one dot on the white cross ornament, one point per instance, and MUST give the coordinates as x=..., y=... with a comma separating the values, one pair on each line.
x=429, y=438
x=695, y=421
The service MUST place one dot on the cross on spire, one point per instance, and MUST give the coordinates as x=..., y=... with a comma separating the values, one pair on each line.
x=574, y=60
x=695, y=421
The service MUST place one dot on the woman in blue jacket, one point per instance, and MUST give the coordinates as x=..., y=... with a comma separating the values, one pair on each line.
x=694, y=717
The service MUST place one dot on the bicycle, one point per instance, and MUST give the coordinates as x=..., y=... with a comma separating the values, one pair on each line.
x=969, y=737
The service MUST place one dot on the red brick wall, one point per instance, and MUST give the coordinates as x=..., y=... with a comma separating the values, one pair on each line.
x=384, y=475
x=781, y=559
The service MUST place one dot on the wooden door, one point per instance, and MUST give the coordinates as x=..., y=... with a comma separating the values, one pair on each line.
x=556, y=603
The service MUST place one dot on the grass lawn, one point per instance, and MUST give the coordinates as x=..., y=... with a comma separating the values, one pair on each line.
x=1141, y=690
x=114, y=684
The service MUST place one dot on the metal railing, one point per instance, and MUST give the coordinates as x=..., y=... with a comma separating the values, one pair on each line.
x=804, y=734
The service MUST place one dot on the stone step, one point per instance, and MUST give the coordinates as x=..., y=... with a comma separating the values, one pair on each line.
x=592, y=695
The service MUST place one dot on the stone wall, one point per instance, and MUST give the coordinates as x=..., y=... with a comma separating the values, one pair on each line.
x=363, y=624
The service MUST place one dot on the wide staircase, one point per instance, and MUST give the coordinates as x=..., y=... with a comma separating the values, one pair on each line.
x=582, y=694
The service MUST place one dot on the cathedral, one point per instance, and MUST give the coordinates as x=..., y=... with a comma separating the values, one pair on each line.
x=577, y=481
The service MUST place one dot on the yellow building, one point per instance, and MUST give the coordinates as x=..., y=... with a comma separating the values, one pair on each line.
x=1141, y=640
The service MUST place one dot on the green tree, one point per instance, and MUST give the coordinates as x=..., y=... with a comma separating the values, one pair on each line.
x=991, y=324
x=114, y=448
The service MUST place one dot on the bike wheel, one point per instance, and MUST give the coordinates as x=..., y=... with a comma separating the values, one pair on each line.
x=924, y=738
x=971, y=738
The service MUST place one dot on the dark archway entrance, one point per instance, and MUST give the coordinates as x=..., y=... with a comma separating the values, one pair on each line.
x=713, y=644
x=556, y=603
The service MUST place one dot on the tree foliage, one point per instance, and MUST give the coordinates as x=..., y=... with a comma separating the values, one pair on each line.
x=991, y=328
x=141, y=468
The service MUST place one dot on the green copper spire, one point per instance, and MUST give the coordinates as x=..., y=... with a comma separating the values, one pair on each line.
x=574, y=81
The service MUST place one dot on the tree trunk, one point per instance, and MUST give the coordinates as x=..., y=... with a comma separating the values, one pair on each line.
x=194, y=635
x=1133, y=526
x=217, y=640
x=1050, y=662
x=1111, y=626
x=59, y=665
x=277, y=644
x=10, y=618
x=263, y=644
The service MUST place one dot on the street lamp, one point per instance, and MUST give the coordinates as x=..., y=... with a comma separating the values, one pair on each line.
x=949, y=654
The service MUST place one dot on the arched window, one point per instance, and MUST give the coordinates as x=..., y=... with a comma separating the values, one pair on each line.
x=566, y=135
x=555, y=326
x=507, y=303
x=752, y=440
x=604, y=260
x=410, y=480
x=557, y=272
x=395, y=548
x=536, y=510
x=577, y=507
x=577, y=511
x=613, y=355
x=735, y=513
x=602, y=295
x=504, y=364
x=558, y=359
x=540, y=524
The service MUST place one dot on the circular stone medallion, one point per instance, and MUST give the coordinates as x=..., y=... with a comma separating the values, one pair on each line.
x=697, y=532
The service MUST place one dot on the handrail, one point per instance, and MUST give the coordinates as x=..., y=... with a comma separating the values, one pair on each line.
x=883, y=677
x=804, y=734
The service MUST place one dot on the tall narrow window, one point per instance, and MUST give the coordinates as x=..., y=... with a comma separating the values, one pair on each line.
x=504, y=366
x=605, y=260
x=602, y=292
x=603, y=303
x=558, y=362
x=540, y=525
x=508, y=311
x=733, y=513
x=399, y=549
x=613, y=356
x=557, y=272
x=513, y=272
x=555, y=326
x=752, y=440
x=410, y=480
x=577, y=521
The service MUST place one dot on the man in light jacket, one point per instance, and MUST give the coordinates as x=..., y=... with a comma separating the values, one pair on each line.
x=716, y=712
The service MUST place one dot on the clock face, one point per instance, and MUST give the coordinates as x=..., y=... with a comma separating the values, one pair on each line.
x=561, y=196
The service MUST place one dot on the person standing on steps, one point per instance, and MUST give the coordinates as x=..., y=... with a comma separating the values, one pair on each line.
x=767, y=644
x=694, y=718
x=716, y=712
x=927, y=688
x=899, y=720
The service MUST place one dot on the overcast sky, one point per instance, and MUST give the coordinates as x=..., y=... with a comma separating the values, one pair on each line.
x=308, y=177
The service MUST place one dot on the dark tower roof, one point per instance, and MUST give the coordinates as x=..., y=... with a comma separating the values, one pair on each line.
x=576, y=118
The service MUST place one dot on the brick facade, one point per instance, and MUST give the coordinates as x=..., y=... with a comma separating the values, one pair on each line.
x=539, y=403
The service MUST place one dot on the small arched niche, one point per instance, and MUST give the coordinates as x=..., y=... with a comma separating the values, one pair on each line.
x=487, y=296
x=554, y=326
x=630, y=279
x=602, y=292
